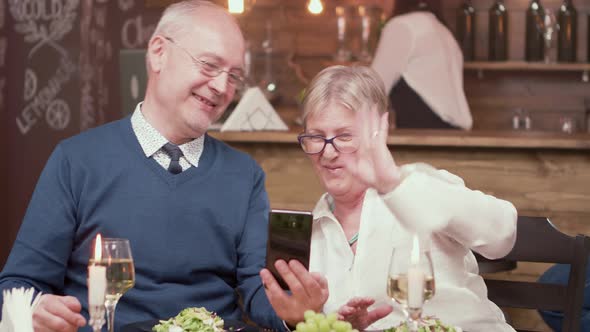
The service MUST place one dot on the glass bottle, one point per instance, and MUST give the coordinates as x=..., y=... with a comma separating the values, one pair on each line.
x=568, y=32
x=535, y=42
x=498, y=32
x=466, y=30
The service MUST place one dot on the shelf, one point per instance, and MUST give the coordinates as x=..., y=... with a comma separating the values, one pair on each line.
x=481, y=66
x=526, y=66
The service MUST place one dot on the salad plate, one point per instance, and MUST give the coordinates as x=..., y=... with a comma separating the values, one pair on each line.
x=146, y=326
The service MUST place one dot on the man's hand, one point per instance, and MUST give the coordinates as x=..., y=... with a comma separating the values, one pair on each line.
x=356, y=312
x=57, y=313
x=309, y=291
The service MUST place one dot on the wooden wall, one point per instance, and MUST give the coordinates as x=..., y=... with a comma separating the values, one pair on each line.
x=307, y=42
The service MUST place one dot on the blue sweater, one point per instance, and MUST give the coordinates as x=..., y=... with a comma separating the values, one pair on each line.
x=196, y=237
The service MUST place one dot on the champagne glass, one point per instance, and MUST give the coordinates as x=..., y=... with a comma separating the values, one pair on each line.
x=411, y=280
x=120, y=274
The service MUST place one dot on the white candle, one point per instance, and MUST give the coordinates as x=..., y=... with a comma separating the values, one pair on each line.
x=97, y=277
x=415, y=277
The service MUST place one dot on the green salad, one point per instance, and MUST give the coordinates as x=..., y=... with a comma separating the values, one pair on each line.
x=191, y=320
x=427, y=325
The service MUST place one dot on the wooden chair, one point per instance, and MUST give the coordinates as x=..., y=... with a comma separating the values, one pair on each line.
x=537, y=240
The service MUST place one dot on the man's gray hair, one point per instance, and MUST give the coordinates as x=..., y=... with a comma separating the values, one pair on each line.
x=354, y=87
x=179, y=17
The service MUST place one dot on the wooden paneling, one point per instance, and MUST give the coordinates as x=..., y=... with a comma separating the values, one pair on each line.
x=310, y=41
x=539, y=181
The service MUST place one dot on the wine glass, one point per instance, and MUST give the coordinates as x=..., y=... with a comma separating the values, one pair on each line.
x=410, y=281
x=120, y=274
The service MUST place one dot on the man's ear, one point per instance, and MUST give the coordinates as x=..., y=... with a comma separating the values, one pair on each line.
x=156, y=53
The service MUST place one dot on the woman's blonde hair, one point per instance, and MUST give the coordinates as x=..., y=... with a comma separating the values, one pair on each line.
x=354, y=87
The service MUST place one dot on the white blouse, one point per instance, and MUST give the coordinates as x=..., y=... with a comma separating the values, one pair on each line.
x=422, y=50
x=427, y=199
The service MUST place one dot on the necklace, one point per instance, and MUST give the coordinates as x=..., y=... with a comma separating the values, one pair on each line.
x=353, y=239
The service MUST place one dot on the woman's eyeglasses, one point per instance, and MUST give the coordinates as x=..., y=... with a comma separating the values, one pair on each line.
x=314, y=144
x=212, y=70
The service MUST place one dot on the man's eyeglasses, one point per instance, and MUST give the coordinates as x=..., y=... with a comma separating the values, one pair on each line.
x=212, y=70
x=314, y=144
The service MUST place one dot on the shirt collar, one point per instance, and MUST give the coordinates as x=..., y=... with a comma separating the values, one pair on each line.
x=323, y=208
x=151, y=140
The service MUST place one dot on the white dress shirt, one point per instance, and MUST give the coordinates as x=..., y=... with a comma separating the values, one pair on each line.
x=427, y=199
x=422, y=50
x=152, y=141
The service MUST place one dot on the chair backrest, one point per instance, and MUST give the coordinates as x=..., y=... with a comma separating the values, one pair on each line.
x=537, y=240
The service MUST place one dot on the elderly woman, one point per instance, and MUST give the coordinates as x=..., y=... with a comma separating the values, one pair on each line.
x=373, y=205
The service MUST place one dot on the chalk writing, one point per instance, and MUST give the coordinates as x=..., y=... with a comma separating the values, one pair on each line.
x=38, y=105
x=134, y=34
x=58, y=115
x=43, y=22
x=30, y=84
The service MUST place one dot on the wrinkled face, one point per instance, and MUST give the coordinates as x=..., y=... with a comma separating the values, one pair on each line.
x=331, y=166
x=191, y=97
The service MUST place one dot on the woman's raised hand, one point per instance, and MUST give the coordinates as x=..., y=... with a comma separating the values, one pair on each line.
x=375, y=165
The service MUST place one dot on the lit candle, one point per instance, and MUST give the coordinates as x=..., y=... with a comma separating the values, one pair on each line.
x=97, y=277
x=415, y=277
x=235, y=6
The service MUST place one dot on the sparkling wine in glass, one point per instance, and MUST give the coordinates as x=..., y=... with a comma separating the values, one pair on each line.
x=120, y=274
x=411, y=280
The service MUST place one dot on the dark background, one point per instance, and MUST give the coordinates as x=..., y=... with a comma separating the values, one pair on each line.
x=70, y=49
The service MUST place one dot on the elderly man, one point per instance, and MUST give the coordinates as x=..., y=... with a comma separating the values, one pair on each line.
x=194, y=210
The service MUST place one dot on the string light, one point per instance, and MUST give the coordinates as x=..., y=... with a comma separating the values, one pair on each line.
x=239, y=7
x=315, y=6
x=235, y=6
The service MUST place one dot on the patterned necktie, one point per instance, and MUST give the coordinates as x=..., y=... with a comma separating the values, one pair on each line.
x=175, y=153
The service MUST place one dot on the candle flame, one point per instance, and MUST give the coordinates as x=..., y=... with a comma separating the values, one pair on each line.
x=315, y=6
x=98, y=248
x=415, y=255
x=235, y=6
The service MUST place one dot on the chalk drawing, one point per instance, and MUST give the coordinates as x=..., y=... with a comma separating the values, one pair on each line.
x=30, y=84
x=58, y=114
x=44, y=22
x=134, y=34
